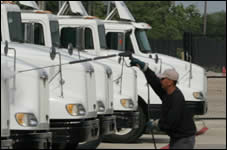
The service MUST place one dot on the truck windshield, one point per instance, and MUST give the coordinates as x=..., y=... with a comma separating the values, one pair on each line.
x=142, y=41
x=15, y=27
x=54, y=28
x=102, y=37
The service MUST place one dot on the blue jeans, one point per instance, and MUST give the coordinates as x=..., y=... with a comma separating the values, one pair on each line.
x=182, y=143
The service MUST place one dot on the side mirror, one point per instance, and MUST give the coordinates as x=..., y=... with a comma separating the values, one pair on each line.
x=70, y=48
x=6, y=48
x=156, y=58
x=52, y=53
x=150, y=56
x=79, y=39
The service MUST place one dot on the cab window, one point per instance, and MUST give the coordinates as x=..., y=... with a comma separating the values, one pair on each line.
x=15, y=26
x=88, y=39
x=68, y=35
x=33, y=33
x=115, y=41
x=128, y=43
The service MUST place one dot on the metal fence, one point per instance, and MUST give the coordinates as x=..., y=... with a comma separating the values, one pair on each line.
x=168, y=47
x=205, y=51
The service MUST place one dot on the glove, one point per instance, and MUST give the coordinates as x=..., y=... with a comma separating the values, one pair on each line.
x=138, y=63
x=153, y=125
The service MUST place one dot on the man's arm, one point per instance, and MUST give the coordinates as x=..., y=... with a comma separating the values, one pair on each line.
x=154, y=82
x=152, y=79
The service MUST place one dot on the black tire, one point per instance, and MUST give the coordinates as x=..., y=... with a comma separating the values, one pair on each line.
x=90, y=145
x=71, y=146
x=65, y=145
x=58, y=146
x=132, y=135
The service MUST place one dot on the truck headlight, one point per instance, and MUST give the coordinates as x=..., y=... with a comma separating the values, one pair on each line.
x=198, y=95
x=101, y=106
x=127, y=103
x=75, y=109
x=26, y=119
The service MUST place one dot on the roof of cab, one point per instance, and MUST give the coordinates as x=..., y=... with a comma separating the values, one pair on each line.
x=78, y=20
x=28, y=14
x=126, y=24
x=9, y=7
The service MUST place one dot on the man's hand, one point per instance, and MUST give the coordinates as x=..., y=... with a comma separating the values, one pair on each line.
x=153, y=125
x=138, y=63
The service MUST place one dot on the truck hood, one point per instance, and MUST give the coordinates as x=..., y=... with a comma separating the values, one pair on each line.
x=198, y=81
x=198, y=76
x=41, y=57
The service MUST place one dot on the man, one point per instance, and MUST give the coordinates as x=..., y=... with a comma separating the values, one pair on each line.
x=175, y=119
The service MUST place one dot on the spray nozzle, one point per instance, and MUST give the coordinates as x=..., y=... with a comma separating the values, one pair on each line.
x=126, y=54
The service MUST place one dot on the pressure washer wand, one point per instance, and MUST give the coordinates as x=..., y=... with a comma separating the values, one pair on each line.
x=80, y=61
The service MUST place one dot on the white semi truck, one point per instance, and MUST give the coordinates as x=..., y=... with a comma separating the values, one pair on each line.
x=73, y=108
x=25, y=110
x=127, y=35
x=192, y=81
x=44, y=25
x=125, y=79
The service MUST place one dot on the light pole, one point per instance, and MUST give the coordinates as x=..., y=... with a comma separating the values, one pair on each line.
x=42, y=5
x=108, y=8
x=60, y=3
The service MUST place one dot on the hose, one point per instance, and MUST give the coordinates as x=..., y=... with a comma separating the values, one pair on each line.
x=152, y=133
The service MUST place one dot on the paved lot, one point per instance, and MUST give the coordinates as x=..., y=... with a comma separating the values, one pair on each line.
x=213, y=138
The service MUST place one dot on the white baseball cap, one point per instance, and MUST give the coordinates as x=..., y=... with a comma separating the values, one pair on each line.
x=170, y=74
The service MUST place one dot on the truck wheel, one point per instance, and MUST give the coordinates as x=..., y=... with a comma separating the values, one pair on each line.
x=64, y=145
x=90, y=145
x=71, y=145
x=128, y=135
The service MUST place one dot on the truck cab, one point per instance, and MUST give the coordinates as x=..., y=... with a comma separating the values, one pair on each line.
x=27, y=108
x=124, y=78
x=192, y=78
x=73, y=117
x=192, y=82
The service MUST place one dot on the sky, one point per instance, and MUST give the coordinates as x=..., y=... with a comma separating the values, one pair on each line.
x=212, y=6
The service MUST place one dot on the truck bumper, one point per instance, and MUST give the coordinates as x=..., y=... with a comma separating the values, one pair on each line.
x=72, y=131
x=107, y=124
x=196, y=108
x=35, y=140
x=6, y=144
x=127, y=119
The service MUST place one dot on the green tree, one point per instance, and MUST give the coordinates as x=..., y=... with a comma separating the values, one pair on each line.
x=52, y=6
x=167, y=21
x=216, y=23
